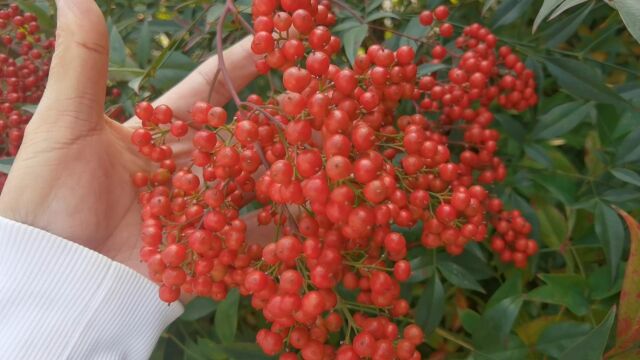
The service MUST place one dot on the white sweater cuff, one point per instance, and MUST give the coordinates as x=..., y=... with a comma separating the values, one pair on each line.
x=61, y=300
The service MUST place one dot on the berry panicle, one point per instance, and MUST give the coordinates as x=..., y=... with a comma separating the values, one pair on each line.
x=337, y=169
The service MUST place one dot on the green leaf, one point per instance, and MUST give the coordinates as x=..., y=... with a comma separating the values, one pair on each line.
x=143, y=50
x=458, y=276
x=207, y=349
x=372, y=5
x=226, y=320
x=346, y=25
x=628, y=328
x=214, y=13
x=414, y=29
x=611, y=234
x=627, y=176
x=430, y=307
x=511, y=348
x=592, y=345
x=562, y=119
x=538, y=154
x=381, y=15
x=509, y=11
x=512, y=127
x=556, y=338
x=471, y=320
x=472, y=260
x=428, y=69
x=510, y=288
x=5, y=164
x=30, y=108
x=198, y=308
x=560, y=187
x=117, y=48
x=629, y=151
x=600, y=284
x=562, y=289
x=566, y=4
x=630, y=13
x=547, y=7
x=499, y=319
x=563, y=30
x=570, y=75
x=353, y=39
x=553, y=224
x=488, y=4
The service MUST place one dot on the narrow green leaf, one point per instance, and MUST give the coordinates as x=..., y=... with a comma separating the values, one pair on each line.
x=458, y=276
x=547, y=7
x=510, y=288
x=611, y=234
x=626, y=175
x=353, y=39
x=372, y=5
x=428, y=69
x=207, y=349
x=538, y=154
x=564, y=29
x=487, y=5
x=198, y=308
x=629, y=151
x=430, y=307
x=30, y=108
x=414, y=29
x=561, y=188
x=471, y=320
x=117, y=48
x=562, y=289
x=566, y=4
x=214, y=13
x=600, y=284
x=346, y=25
x=630, y=12
x=143, y=50
x=226, y=320
x=5, y=165
x=509, y=11
x=620, y=195
x=381, y=15
x=513, y=128
x=557, y=338
x=592, y=345
x=562, y=119
x=570, y=76
x=499, y=319
x=553, y=224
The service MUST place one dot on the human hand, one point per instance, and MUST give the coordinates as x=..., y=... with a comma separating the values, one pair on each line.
x=72, y=176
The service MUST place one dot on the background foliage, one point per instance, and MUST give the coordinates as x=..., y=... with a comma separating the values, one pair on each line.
x=574, y=172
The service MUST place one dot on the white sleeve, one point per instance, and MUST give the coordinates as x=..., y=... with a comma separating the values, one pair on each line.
x=59, y=300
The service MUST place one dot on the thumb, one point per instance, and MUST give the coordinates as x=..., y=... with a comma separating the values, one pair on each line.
x=77, y=80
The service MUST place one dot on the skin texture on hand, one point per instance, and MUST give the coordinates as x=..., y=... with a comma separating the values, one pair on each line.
x=72, y=176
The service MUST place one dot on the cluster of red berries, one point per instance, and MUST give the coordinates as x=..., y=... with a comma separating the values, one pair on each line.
x=335, y=167
x=24, y=68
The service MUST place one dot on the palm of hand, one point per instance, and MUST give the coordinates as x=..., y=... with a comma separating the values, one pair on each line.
x=72, y=176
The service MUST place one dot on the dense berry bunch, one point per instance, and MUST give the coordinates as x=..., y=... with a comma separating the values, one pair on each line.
x=337, y=170
x=24, y=67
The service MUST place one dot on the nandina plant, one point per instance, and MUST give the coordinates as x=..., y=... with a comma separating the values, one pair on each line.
x=338, y=172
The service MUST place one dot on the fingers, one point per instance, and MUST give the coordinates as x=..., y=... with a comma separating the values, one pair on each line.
x=240, y=63
x=76, y=88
